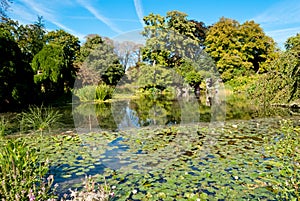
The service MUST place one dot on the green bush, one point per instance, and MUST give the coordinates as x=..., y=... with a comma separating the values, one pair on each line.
x=22, y=173
x=91, y=93
x=104, y=92
x=39, y=118
x=285, y=154
x=86, y=93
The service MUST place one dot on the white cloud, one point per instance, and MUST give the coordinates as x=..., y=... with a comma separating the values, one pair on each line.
x=285, y=12
x=139, y=10
x=281, y=35
x=100, y=17
x=281, y=20
x=47, y=14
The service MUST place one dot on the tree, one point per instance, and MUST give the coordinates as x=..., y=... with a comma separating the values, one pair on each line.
x=239, y=49
x=15, y=76
x=282, y=83
x=30, y=37
x=97, y=54
x=293, y=43
x=70, y=43
x=51, y=68
x=71, y=49
x=170, y=38
x=128, y=52
x=175, y=42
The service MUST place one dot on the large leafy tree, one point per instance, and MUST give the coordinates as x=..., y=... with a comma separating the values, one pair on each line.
x=239, y=49
x=176, y=42
x=15, y=75
x=282, y=83
x=170, y=38
x=50, y=65
x=71, y=48
x=30, y=37
x=97, y=57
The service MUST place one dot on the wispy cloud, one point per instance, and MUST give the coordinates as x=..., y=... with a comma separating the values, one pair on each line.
x=139, y=10
x=20, y=10
x=100, y=17
x=281, y=20
x=284, y=12
x=281, y=35
x=48, y=15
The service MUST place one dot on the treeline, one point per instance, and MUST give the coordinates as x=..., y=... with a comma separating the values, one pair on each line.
x=39, y=66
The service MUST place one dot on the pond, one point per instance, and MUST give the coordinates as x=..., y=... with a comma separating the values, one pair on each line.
x=178, y=162
x=169, y=148
x=143, y=112
x=152, y=149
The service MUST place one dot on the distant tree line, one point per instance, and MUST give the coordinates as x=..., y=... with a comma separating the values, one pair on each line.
x=39, y=66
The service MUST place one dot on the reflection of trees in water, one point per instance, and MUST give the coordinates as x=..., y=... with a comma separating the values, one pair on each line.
x=94, y=116
x=156, y=112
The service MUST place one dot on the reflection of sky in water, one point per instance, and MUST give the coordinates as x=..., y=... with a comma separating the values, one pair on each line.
x=130, y=119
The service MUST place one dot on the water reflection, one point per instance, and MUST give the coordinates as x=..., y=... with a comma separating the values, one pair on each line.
x=136, y=113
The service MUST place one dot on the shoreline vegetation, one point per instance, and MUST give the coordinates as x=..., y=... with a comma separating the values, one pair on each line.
x=191, y=96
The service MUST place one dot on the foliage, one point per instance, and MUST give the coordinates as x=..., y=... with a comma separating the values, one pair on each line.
x=86, y=93
x=239, y=49
x=14, y=73
x=22, y=173
x=170, y=38
x=104, y=92
x=98, y=55
x=69, y=43
x=92, y=191
x=284, y=154
x=94, y=92
x=39, y=118
x=49, y=65
x=282, y=83
x=3, y=126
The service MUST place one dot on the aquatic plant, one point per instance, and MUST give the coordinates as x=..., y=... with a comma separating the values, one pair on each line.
x=39, y=118
x=91, y=191
x=22, y=174
x=284, y=154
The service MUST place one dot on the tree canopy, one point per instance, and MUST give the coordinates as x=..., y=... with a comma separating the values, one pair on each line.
x=239, y=49
x=97, y=54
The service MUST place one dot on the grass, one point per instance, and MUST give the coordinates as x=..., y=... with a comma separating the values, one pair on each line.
x=39, y=119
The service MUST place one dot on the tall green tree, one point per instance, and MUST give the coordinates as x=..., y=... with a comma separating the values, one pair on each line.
x=282, y=83
x=170, y=38
x=239, y=49
x=176, y=42
x=98, y=56
x=71, y=49
x=15, y=75
x=30, y=37
x=52, y=72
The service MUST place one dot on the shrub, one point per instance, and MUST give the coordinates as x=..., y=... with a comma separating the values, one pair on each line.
x=90, y=93
x=86, y=93
x=285, y=154
x=39, y=118
x=104, y=92
x=91, y=191
x=21, y=173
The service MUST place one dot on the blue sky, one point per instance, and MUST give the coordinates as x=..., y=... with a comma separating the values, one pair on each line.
x=280, y=19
